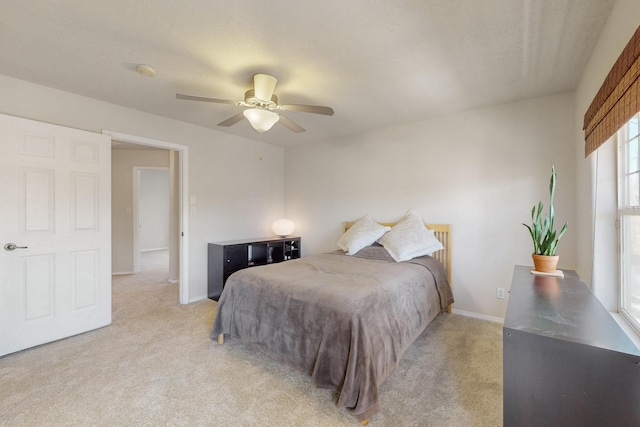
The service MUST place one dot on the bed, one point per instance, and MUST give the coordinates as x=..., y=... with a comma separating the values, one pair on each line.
x=344, y=320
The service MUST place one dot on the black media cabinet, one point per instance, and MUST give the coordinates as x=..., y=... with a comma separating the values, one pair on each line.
x=225, y=258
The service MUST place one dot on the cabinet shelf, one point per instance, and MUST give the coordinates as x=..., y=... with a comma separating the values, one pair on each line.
x=225, y=258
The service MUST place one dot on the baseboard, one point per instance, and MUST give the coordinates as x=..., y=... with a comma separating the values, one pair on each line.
x=478, y=316
x=154, y=249
x=199, y=298
x=121, y=273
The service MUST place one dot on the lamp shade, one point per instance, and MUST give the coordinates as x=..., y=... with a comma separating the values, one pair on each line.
x=261, y=120
x=283, y=227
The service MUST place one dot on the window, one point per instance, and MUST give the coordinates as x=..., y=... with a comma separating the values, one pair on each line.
x=629, y=217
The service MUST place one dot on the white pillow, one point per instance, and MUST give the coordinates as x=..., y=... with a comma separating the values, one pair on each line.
x=361, y=234
x=409, y=238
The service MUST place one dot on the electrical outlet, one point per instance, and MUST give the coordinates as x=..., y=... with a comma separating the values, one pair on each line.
x=500, y=293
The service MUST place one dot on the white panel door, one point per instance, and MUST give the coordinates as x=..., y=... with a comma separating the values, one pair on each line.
x=55, y=188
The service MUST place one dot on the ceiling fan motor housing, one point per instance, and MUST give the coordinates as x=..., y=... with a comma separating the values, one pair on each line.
x=251, y=99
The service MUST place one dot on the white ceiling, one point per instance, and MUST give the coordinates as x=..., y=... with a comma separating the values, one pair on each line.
x=376, y=62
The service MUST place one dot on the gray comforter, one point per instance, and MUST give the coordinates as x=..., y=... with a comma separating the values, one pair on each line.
x=344, y=320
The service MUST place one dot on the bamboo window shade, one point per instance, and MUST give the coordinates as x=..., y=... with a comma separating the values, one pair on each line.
x=617, y=100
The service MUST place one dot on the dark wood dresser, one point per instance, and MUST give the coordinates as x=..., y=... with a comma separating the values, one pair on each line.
x=566, y=361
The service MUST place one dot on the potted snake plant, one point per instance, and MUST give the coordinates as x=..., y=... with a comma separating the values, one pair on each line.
x=543, y=233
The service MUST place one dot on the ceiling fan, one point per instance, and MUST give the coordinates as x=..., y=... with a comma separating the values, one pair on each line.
x=262, y=106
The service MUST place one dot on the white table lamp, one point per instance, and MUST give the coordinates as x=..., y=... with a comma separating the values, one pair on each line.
x=283, y=227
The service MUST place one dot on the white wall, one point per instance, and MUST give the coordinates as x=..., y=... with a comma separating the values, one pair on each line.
x=621, y=25
x=154, y=209
x=481, y=171
x=238, y=183
x=122, y=164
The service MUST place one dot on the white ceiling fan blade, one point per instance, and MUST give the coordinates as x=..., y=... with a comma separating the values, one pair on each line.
x=264, y=85
x=232, y=120
x=316, y=109
x=290, y=124
x=202, y=98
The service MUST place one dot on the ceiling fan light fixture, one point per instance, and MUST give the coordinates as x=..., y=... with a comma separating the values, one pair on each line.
x=261, y=104
x=261, y=120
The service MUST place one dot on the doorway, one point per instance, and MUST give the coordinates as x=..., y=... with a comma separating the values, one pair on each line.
x=178, y=238
x=154, y=217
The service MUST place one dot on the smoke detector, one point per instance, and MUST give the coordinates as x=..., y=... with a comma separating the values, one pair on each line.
x=145, y=70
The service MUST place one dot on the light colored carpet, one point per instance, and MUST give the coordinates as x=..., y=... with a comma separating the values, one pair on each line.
x=155, y=365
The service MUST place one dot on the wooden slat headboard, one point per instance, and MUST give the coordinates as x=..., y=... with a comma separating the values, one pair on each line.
x=442, y=233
